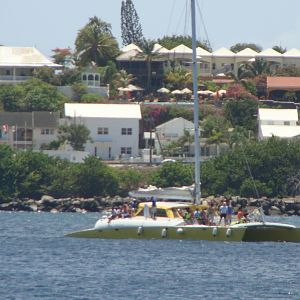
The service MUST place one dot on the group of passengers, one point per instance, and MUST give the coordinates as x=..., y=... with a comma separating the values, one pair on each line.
x=213, y=215
x=127, y=210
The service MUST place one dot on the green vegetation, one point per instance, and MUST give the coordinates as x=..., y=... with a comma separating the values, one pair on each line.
x=130, y=24
x=274, y=165
x=32, y=95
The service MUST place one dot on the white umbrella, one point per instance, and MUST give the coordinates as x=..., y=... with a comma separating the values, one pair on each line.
x=163, y=90
x=176, y=92
x=186, y=91
x=125, y=89
x=207, y=92
x=134, y=87
x=222, y=92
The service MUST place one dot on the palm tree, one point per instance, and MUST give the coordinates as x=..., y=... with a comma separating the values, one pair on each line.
x=178, y=78
x=260, y=67
x=95, y=43
x=147, y=47
x=123, y=79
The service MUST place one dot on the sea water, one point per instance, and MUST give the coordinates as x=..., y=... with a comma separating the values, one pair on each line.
x=38, y=262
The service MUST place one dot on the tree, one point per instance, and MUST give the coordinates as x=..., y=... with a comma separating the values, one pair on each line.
x=178, y=78
x=47, y=75
x=242, y=113
x=238, y=91
x=32, y=95
x=40, y=96
x=95, y=43
x=94, y=178
x=173, y=174
x=76, y=134
x=149, y=55
x=241, y=46
x=279, y=49
x=170, y=42
x=123, y=79
x=260, y=67
x=130, y=24
x=62, y=56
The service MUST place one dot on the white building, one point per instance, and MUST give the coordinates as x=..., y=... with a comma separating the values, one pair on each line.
x=17, y=64
x=171, y=131
x=282, y=123
x=24, y=130
x=114, y=128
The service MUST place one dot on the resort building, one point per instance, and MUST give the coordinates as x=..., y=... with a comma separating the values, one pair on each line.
x=171, y=131
x=28, y=130
x=18, y=63
x=282, y=123
x=114, y=128
x=211, y=65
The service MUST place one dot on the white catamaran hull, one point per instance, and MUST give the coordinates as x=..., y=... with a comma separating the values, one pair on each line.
x=161, y=228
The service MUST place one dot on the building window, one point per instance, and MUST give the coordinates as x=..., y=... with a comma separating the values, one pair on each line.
x=286, y=123
x=47, y=131
x=126, y=131
x=126, y=150
x=102, y=130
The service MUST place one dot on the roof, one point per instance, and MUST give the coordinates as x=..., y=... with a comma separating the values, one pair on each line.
x=285, y=83
x=269, y=52
x=187, y=124
x=292, y=53
x=269, y=114
x=246, y=52
x=280, y=131
x=24, y=57
x=128, y=55
x=112, y=111
x=223, y=52
x=157, y=48
x=181, y=49
x=30, y=119
x=202, y=52
x=131, y=47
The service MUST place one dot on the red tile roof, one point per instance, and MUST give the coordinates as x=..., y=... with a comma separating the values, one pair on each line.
x=283, y=83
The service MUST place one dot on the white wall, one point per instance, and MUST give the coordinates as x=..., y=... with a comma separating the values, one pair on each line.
x=114, y=139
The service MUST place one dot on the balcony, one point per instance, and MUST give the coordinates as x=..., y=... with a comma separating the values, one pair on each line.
x=13, y=79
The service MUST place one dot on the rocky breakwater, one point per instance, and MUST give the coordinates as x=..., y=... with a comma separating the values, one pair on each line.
x=284, y=206
x=271, y=207
x=50, y=204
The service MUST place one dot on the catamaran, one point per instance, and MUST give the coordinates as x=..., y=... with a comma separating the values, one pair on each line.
x=169, y=224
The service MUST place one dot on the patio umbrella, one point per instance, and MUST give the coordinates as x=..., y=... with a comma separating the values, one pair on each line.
x=186, y=91
x=134, y=87
x=222, y=92
x=176, y=92
x=163, y=90
x=124, y=89
x=207, y=92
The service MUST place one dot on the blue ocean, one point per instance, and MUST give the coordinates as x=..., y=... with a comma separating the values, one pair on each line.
x=38, y=262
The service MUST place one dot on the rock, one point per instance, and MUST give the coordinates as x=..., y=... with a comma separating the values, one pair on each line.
x=47, y=198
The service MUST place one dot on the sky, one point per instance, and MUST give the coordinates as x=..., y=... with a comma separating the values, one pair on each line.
x=47, y=24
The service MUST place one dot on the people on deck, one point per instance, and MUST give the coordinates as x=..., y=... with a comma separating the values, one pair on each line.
x=240, y=216
x=197, y=216
x=153, y=208
x=188, y=216
x=203, y=217
x=114, y=214
x=211, y=213
x=229, y=213
x=223, y=213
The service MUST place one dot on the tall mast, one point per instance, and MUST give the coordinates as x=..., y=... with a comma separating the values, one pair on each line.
x=196, y=106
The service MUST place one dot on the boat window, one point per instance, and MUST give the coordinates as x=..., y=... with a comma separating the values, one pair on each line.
x=161, y=212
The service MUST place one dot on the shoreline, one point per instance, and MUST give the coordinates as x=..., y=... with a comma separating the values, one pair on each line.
x=272, y=207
